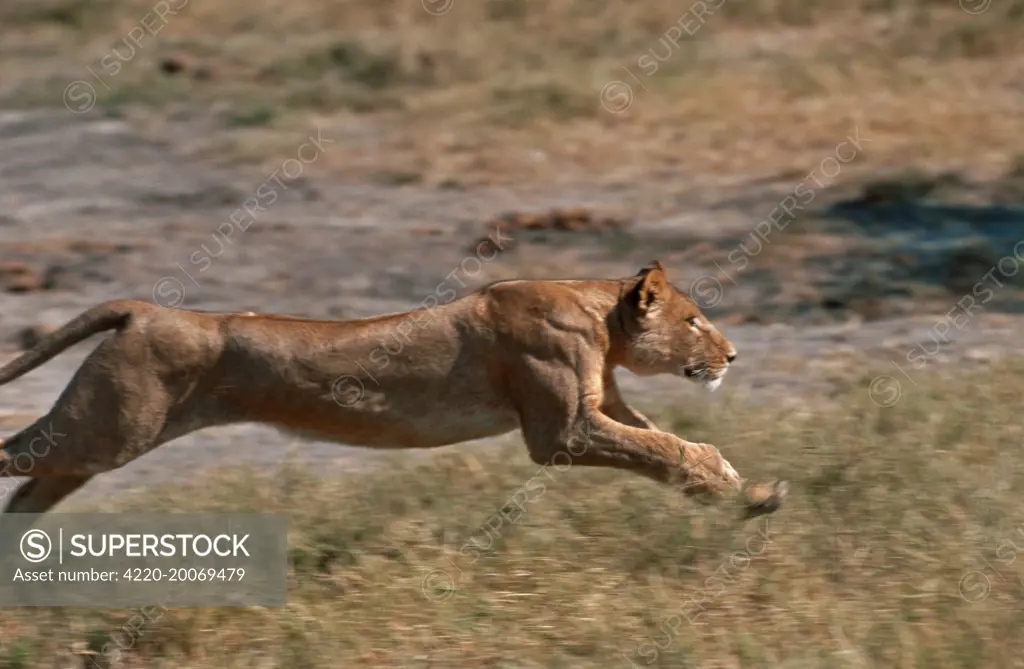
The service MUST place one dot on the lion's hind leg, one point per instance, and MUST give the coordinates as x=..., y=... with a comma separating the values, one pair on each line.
x=111, y=411
x=36, y=452
x=40, y=495
x=34, y=496
x=46, y=449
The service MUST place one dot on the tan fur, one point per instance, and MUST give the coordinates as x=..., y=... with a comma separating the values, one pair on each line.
x=535, y=355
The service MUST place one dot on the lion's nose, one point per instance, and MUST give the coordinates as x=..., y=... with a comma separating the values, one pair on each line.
x=730, y=357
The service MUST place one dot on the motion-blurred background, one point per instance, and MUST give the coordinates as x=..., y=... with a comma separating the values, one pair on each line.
x=839, y=184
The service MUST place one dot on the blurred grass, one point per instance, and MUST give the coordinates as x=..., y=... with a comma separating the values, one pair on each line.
x=508, y=89
x=890, y=509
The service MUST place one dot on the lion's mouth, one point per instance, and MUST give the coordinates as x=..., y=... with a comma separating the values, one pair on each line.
x=695, y=370
x=703, y=375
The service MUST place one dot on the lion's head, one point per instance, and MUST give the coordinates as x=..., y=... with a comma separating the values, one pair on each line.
x=667, y=333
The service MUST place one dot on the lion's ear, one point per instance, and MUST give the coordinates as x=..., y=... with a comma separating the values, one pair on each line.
x=651, y=289
x=654, y=265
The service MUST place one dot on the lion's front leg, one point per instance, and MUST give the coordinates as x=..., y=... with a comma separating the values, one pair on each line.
x=758, y=498
x=575, y=428
x=623, y=413
x=613, y=406
x=697, y=468
x=562, y=421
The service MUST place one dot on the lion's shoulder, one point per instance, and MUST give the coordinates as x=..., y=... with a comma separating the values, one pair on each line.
x=526, y=307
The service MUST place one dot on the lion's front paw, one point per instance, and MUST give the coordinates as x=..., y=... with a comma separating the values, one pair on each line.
x=763, y=498
x=730, y=474
x=706, y=474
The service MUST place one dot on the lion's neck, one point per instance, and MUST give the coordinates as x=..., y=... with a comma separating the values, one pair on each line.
x=617, y=312
x=607, y=297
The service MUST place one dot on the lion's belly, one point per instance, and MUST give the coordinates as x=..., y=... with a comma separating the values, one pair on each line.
x=397, y=429
x=384, y=419
x=450, y=425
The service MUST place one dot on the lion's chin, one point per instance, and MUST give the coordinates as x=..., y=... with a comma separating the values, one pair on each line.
x=711, y=385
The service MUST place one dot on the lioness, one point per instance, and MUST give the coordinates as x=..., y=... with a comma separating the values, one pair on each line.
x=537, y=355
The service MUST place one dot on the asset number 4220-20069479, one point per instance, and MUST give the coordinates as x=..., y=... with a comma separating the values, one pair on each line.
x=149, y=575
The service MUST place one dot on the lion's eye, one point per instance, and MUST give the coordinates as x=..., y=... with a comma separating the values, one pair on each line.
x=693, y=321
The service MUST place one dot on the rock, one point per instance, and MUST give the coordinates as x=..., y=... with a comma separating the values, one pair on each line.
x=21, y=277
x=966, y=266
x=175, y=63
x=981, y=354
x=575, y=219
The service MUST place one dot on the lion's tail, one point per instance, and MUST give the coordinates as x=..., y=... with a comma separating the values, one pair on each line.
x=106, y=316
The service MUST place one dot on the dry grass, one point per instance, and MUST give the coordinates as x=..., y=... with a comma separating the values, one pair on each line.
x=891, y=508
x=508, y=90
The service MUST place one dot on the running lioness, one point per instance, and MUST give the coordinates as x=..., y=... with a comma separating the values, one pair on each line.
x=534, y=355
